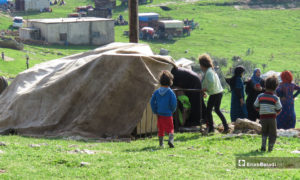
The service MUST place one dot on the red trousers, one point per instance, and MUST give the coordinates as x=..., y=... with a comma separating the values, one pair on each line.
x=165, y=124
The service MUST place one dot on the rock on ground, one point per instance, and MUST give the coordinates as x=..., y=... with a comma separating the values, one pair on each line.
x=163, y=52
x=84, y=164
x=246, y=125
x=2, y=171
x=288, y=133
x=296, y=152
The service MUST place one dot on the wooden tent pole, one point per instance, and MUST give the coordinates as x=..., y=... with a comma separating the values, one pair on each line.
x=133, y=21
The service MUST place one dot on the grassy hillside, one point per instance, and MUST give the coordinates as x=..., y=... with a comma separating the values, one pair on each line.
x=5, y=21
x=224, y=31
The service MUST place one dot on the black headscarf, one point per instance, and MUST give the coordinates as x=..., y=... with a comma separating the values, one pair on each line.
x=238, y=71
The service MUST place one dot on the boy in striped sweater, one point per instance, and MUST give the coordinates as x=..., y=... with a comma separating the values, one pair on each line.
x=269, y=106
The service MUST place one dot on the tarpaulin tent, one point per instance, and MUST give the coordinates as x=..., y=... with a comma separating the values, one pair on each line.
x=99, y=93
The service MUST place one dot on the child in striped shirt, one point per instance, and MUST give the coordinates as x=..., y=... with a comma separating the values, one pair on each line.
x=269, y=106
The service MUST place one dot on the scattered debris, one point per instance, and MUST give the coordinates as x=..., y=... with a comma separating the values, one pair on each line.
x=221, y=154
x=288, y=133
x=228, y=136
x=115, y=139
x=73, y=145
x=38, y=145
x=44, y=144
x=86, y=151
x=172, y=155
x=85, y=164
x=75, y=138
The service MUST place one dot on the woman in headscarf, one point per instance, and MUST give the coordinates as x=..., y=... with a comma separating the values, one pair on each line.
x=254, y=87
x=287, y=118
x=238, y=107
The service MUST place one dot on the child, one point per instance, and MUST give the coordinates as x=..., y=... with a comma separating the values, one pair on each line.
x=163, y=103
x=269, y=106
x=212, y=85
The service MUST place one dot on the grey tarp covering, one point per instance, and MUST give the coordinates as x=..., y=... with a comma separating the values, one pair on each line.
x=103, y=92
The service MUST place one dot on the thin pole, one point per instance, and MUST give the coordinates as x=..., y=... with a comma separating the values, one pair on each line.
x=146, y=130
x=133, y=21
x=151, y=123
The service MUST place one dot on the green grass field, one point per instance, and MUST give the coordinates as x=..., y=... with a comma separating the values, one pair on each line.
x=194, y=157
x=224, y=32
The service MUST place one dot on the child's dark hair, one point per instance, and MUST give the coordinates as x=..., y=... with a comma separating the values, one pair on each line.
x=272, y=83
x=206, y=61
x=166, y=78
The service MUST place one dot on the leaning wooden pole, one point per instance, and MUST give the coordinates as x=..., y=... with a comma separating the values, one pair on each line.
x=133, y=21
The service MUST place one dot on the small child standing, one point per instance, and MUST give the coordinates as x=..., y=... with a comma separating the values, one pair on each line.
x=269, y=106
x=163, y=103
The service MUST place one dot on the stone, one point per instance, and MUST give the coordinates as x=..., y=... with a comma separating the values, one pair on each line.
x=2, y=144
x=288, y=133
x=1, y=152
x=87, y=151
x=85, y=164
x=34, y=145
x=73, y=145
x=163, y=52
x=296, y=152
x=246, y=125
x=2, y=171
x=44, y=144
x=220, y=154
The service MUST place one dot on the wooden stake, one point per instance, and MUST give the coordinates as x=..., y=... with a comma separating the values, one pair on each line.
x=133, y=21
